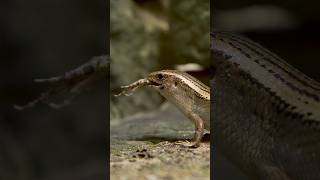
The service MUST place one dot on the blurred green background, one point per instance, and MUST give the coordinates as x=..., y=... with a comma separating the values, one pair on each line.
x=150, y=35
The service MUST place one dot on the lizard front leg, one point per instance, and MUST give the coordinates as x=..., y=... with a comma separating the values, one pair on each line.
x=199, y=129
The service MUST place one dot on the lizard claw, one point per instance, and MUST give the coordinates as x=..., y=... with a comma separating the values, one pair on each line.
x=186, y=144
x=195, y=145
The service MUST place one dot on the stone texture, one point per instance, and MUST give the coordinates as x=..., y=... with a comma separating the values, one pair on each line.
x=148, y=145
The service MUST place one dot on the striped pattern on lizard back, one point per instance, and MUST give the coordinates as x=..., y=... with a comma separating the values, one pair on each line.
x=266, y=114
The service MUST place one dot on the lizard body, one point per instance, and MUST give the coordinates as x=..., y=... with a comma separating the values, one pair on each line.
x=265, y=114
x=190, y=95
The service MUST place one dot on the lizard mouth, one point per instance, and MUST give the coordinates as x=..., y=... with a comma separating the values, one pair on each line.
x=154, y=84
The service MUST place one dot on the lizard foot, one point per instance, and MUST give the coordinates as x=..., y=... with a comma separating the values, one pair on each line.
x=187, y=144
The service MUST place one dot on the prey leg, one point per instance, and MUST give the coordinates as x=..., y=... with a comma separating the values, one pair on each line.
x=128, y=90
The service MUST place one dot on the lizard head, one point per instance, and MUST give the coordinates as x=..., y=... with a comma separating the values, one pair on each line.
x=165, y=80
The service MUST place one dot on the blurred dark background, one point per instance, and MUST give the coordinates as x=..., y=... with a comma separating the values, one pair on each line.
x=41, y=39
x=289, y=28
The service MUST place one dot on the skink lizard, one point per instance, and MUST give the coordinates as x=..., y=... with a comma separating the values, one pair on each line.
x=190, y=95
x=265, y=114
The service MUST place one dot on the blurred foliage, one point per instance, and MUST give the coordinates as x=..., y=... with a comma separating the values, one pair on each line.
x=188, y=36
x=152, y=35
x=133, y=48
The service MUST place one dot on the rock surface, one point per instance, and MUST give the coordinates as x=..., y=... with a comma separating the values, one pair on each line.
x=153, y=146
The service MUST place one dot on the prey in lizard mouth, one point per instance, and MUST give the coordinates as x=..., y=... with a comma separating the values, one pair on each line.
x=129, y=89
x=152, y=80
x=154, y=84
x=187, y=93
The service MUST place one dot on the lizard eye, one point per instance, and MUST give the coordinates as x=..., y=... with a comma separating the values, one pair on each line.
x=160, y=76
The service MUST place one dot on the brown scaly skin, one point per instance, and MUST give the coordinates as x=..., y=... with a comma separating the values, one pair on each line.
x=265, y=114
x=179, y=88
x=190, y=95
